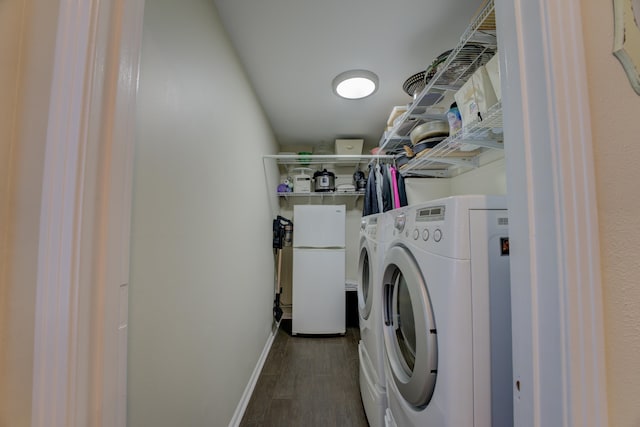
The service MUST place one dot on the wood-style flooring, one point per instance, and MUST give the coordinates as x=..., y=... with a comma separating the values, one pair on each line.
x=308, y=381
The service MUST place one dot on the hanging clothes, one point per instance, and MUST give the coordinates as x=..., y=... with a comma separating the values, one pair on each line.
x=402, y=191
x=394, y=187
x=370, y=197
x=379, y=180
x=387, y=192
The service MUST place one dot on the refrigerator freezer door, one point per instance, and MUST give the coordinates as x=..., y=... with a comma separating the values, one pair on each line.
x=318, y=291
x=319, y=226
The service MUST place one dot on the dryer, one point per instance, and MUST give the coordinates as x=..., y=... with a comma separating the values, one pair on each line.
x=370, y=347
x=447, y=316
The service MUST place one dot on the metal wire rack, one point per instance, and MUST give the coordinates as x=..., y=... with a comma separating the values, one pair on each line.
x=458, y=152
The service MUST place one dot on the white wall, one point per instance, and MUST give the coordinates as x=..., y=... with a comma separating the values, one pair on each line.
x=616, y=130
x=420, y=190
x=201, y=267
x=487, y=179
x=27, y=37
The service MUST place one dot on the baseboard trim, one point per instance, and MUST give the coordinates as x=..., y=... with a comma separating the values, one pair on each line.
x=253, y=380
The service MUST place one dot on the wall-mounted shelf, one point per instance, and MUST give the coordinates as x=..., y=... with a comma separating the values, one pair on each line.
x=476, y=141
x=463, y=151
x=322, y=195
x=321, y=161
x=343, y=165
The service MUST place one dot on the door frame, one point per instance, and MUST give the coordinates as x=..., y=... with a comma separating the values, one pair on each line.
x=556, y=285
x=558, y=333
x=80, y=336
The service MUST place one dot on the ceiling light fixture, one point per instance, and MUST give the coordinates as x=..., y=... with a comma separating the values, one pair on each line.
x=355, y=84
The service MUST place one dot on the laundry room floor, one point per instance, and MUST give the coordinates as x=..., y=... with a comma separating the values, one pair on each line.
x=308, y=381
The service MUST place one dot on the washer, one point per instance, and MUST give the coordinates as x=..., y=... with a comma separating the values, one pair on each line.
x=370, y=347
x=447, y=316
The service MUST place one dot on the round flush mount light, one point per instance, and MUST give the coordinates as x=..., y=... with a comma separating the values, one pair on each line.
x=355, y=84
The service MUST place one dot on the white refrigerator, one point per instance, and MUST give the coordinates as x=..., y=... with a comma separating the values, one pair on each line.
x=318, y=269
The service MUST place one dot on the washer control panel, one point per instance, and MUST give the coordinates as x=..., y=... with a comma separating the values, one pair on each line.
x=430, y=214
x=426, y=234
x=442, y=227
x=428, y=222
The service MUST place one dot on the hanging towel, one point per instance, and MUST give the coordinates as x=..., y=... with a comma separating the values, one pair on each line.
x=394, y=188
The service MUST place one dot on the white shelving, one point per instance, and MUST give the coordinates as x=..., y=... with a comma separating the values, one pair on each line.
x=292, y=161
x=341, y=164
x=476, y=142
x=322, y=195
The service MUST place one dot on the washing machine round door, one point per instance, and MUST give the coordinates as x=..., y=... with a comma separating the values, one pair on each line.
x=365, y=279
x=410, y=333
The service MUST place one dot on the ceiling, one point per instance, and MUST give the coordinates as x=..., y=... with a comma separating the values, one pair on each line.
x=292, y=49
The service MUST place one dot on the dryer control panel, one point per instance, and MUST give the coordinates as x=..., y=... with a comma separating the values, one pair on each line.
x=428, y=224
x=429, y=215
x=432, y=213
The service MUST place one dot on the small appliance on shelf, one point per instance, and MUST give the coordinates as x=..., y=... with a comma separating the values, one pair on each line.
x=324, y=181
x=302, y=181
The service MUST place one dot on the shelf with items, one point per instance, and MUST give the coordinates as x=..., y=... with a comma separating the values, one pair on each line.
x=291, y=166
x=469, y=148
x=321, y=195
x=322, y=161
x=465, y=149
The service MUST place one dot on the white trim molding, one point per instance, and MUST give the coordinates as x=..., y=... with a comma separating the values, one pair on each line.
x=253, y=380
x=80, y=339
x=55, y=346
x=581, y=281
x=118, y=57
x=555, y=268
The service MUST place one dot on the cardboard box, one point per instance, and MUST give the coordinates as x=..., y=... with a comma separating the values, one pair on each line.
x=349, y=146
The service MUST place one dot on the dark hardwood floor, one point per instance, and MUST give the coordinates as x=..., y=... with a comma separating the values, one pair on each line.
x=308, y=381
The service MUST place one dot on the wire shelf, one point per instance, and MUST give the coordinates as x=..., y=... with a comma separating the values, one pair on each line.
x=462, y=149
x=476, y=46
x=303, y=161
x=320, y=194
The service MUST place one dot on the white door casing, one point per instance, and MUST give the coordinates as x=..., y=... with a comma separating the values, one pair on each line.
x=557, y=314
x=558, y=337
x=80, y=337
x=58, y=285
